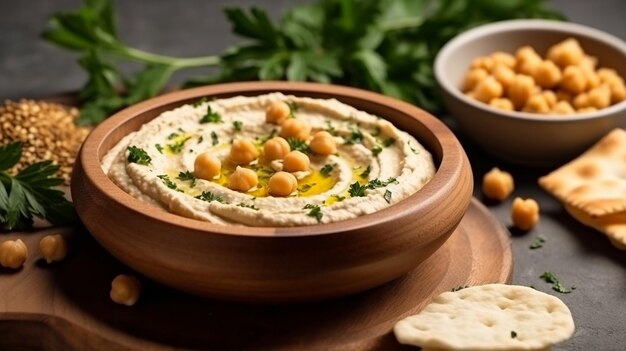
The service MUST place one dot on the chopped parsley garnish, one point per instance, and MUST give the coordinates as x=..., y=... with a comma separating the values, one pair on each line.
x=387, y=196
x=237, y=126
x=366, y=172
x=549, y=277
x=167, y=181
x=172, y=136
x=377, y=150
x=251, y=206
x=316, y=211
x=358, y=190
x=306, y=187
x=459, y=288
x=265, y=139
x=376, y=132
x=211, y=116
x=298, y=145
x=187, y=176
x=331, y=129
x=138, y=156
x=199, y=101
x=159, y=148
x=389, y=142
x=355, y=137
x=412, y=149
x=177, y=147
x=209, y=197
x=339, y=198
x=200, y=139
x=513, y=334
x=537, y=243
x=325, y=171
x=293, y=108
x=214, y=139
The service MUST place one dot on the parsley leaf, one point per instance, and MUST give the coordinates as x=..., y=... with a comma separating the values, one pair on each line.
x=550, y=277
x=377, y=150
x=316, y=211
x=387, y=196
x=327, y=169
x=389, y=142
x=298, y=145
x=214, y=139
x=537, y=243
x=237, y=126
x=251, y=206
x=357, y=190
x=355, y=137
x=293, y=108
x=209, y=197
x=211, y=116
x=366, y=172
x=177, y=146
x=159, y=148
x=138, y=156
x=187, y=175
x=167, y=181
x=31, y=193
x=199, y=102
x=513, y=334
x=306, y=187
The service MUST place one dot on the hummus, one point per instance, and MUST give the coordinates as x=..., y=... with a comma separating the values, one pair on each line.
x=376, y=165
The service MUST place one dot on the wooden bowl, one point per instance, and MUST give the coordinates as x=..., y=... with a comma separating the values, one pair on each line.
x=262, y=264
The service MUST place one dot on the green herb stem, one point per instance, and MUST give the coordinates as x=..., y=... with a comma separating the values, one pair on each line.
x=178, y=63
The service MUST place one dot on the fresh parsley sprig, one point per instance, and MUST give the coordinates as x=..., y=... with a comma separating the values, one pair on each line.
x=30, y=193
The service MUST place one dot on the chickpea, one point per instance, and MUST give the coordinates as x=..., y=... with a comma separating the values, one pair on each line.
x=607, y=74
x=295, y=128
x=243, y=179
x=497, y=184
x=563, y=108
x=502, y=103
x=600, y=97
x=207, y=166
x=618, y=90
x=473, y=77
x=484, y=62
x=581, y=101
x=503, y=58
x=574, y=80
x=521, y=90
x=592, y=78
x=537, y=104
x=527, y=60
x=550, y=97
x=587, y=109
x=276, y=149
x=323, y=143
x=547, y=74
x=277, y=112
x=525, y=213
x=243, y=151
x=565, y=53
x=589, y=62
x=296, y=161
x=282, y=184
x=504, y=75
x=53, y=248
x=125, y=290
x=488, y=89
x=13, y=253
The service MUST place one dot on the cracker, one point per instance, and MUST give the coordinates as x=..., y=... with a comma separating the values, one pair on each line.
x=484, y=317
x=613, y=225
x=595, y=182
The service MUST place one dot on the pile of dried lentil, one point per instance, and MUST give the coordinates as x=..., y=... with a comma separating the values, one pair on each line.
x=47, y=132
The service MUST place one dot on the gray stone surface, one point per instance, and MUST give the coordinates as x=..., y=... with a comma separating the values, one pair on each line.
x=579, y=256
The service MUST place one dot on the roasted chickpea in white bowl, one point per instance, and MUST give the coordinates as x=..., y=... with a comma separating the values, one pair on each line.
x=534, y=92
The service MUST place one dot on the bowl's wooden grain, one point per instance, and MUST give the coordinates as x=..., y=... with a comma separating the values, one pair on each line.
x=274, y=264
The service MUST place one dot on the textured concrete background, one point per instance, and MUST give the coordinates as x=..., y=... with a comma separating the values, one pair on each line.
x=30, y=67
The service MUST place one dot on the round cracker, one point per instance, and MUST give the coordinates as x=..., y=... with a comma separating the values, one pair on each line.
x=488, y=317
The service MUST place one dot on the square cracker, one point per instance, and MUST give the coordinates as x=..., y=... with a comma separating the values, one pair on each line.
x=595, y=182
x=613, y=225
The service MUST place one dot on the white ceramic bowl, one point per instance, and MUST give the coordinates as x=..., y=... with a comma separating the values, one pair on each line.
x=525, y=138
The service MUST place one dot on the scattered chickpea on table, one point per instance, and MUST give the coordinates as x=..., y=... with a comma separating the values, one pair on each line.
x=567, y=82
x=53, y=248
x=524, y=213
x=125, y=290
x=13, y=254
x=497, y=184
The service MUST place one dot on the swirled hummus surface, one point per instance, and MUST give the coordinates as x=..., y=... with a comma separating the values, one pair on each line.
x=375, y=164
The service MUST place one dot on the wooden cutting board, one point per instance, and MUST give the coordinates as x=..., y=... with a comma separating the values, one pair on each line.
x=65, y=306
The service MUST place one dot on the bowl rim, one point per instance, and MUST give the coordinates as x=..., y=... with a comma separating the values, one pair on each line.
x=452, y=161
x=518, y=25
